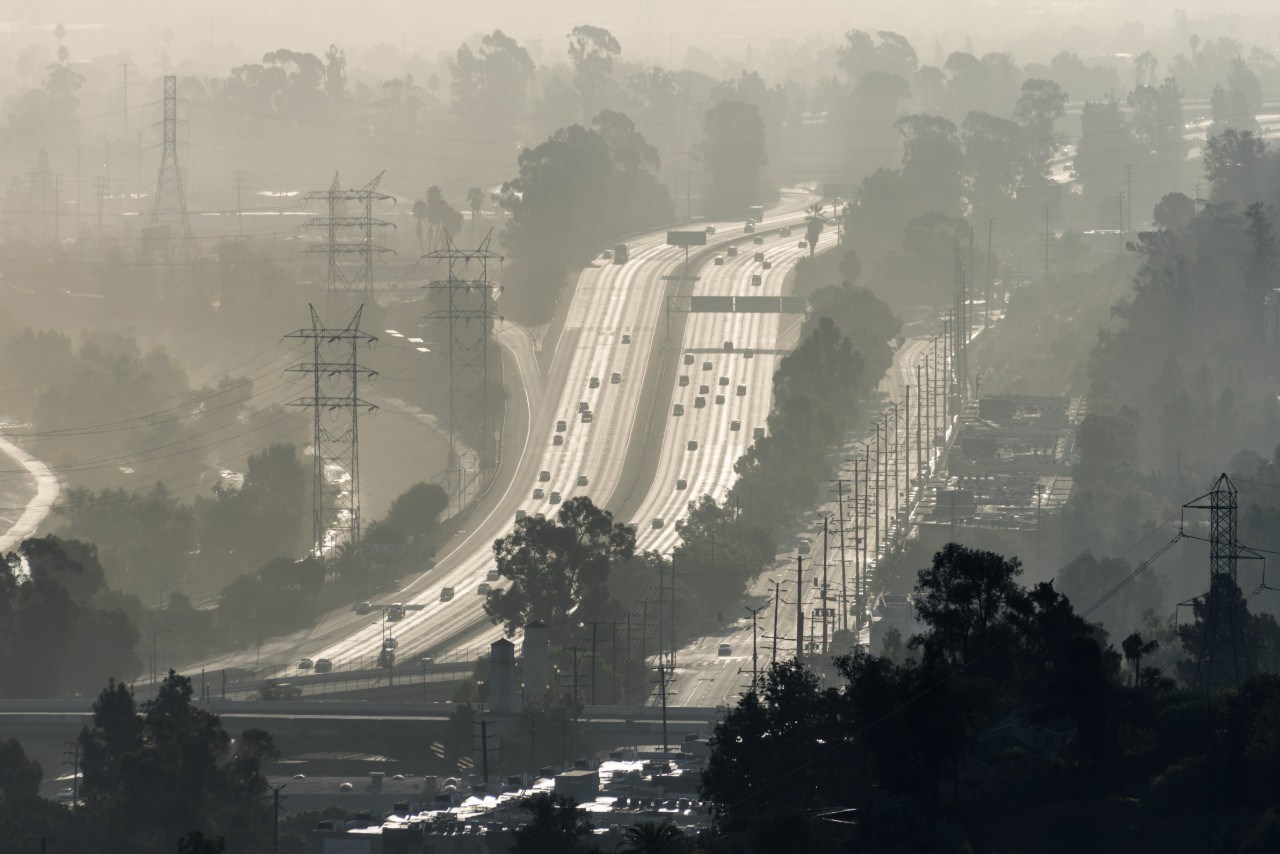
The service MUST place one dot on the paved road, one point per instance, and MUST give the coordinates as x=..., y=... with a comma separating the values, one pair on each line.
x=609, y=302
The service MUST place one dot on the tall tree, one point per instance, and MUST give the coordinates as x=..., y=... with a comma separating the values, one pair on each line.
x=733, y=153
x=558, y=568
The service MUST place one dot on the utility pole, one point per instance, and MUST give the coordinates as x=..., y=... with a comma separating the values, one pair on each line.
x=124, y=76
x=799, y=608
x=844, y=580
x=662, y=690
x=275, y=822
x=484, y=749
x=755, y=660
x=1128, y=194
x=594, y=624
x=100, y=190
x=773, y=656
x=470, y=317
x=991, y=281
x=920, y=464
x=826, y=526
x=335, y=404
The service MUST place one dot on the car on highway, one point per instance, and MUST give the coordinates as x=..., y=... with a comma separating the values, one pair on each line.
x=757, y=433
x=594, y=382
x=732, y=251
x=742, y=391
x=706, y=366
x=446, y=594
x=719, y=400
x=692, y=445
x=541, y=517
x=728, y=346
x=582, y=480
x=492, y=575
x=607, y=254
x=748, y=353
x=724, y=381
x=725, y=649
x=561, y=426
x=719, y=262
x=684, y=380
x=785, y=231
x=386, y=658
x=681, y=483
x=615, y=378
x=804, y=547
x=626, y=339
x=678, y=409
x=557, y=439
x=758, y=239
x=544, y=476
x=583, y=406
x=482, y=589
x=395, y=612
x=586, y=417
x=758, y=257
x=688, y=359
x=364, y=607
x=748, y=228
x=711, y=229
x=803, y=244
x=756, y=280
x=735, y=425
x=657, y=523
x=554, y=498
x=521, y=515
x=539, y=493
x=323, y=665
x=766, y=264
x=699, y=402
x=305, y=664
x=390, y=643
x=704, y=389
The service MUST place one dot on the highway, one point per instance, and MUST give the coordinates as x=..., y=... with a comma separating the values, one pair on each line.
x=706, y=467
x=609, y=304
x=703, y=677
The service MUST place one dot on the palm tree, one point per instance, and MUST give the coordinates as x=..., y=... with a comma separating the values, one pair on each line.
x=419, y=214
x=652, y=838
x=475, y=200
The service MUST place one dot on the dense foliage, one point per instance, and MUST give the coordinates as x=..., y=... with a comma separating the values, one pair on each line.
x=1008, y=725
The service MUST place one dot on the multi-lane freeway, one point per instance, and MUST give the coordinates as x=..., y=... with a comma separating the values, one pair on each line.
x=600, y=363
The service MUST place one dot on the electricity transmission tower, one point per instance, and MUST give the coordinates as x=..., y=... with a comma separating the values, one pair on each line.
x=468, y=296
x=170, y=202
x=1222, y=643
x=335, y=404
x=337, y=225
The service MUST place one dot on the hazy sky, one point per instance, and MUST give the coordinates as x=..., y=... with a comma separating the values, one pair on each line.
x=660, y=30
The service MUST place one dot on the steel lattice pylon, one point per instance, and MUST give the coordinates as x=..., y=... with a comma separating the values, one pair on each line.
x=336, y=224
x=170, y=202
x=335, y=403
x=470, y=316
x=1223, y=641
